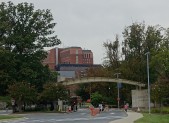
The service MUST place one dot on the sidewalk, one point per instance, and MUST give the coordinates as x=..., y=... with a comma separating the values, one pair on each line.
x=132, y=116
x=5, y=112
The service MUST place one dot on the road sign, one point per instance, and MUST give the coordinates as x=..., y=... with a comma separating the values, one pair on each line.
x=119, y=85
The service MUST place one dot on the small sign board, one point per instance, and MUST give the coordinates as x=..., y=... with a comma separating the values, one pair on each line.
x=119, y=85
x=12, y=102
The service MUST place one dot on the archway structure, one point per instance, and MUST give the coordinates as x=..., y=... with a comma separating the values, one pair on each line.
x=101, y=79
x=139, y=97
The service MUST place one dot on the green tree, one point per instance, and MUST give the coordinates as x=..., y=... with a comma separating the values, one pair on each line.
x=133, y=52
x=112, y=54
x=160, y=91
x=53, y=92
x=160, y=61
x=24, y=32
x=83, y=91
x=23, y=93
x=139, y=39
x=6, y=67
x=96, y=98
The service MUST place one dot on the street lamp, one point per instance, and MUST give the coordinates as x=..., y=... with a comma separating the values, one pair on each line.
x=118, y=94
x=148, y=81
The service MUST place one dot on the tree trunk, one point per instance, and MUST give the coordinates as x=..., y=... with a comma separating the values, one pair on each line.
x=20, y=106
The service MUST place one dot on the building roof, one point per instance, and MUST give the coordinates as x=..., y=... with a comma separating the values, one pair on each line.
x=87, y=51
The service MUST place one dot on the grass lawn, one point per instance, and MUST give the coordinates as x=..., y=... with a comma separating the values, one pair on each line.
x=154, y=118
x=2, y=117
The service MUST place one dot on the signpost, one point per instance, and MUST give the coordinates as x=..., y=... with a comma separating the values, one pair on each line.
x=118, y=98
x=118, y=85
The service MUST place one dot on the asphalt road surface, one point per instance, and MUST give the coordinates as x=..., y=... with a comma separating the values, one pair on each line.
x=81, y=116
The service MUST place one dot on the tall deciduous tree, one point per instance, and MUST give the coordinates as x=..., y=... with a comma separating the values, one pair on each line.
x=160, y=91
x=133, y=52
x=6, y=67
x=24, y=32
x=139, y=39
x=160, y=61
x=52, y=93
x=112, y=54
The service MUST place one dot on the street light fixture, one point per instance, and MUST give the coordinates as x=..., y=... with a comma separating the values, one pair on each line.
x=148, y=81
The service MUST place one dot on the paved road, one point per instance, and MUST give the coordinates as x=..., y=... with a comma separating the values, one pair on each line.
x=82, y=116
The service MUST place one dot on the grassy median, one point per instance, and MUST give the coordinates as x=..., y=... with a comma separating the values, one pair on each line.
x=2, y=117
x=154, y=118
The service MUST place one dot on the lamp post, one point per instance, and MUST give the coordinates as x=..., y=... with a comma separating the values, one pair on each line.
x=118, y=93
x=148, y=81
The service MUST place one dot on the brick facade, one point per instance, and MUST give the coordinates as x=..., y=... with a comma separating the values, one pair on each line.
x=70, y=55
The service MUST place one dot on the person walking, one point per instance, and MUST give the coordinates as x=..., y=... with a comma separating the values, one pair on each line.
x=100, y=107
x=125, y=107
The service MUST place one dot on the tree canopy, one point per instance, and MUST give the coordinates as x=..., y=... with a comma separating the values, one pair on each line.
x=24, y=32
x=22, y=93
x=137, y=40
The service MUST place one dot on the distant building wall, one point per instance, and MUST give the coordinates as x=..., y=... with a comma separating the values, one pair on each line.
x=51, y=59
x=70, y=55
x=67, y=74
x=79, y=69
x=139, y=98
x=87, y=57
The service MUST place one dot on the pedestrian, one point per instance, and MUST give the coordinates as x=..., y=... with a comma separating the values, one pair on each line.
x=125, y=107
x=101, y=107
x=69, y=109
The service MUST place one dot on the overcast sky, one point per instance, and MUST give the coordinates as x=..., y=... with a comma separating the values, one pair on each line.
x=89, y=23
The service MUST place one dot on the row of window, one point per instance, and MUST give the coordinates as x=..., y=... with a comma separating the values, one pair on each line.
x=86, y=55
x=87, y=60
x=84, y=61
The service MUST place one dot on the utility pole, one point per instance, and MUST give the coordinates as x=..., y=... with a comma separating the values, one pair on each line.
x=148, y=82
x=118, y=93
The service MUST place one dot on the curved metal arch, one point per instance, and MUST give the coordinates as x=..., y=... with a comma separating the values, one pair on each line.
x=102, y=79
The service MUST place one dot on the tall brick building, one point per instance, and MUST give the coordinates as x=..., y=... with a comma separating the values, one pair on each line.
x=70, y=55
